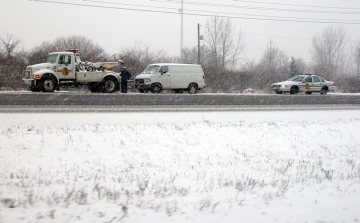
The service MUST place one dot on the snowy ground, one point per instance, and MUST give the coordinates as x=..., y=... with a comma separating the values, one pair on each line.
x=242, y=166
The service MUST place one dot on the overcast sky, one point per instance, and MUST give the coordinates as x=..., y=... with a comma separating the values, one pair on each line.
x=119, y=24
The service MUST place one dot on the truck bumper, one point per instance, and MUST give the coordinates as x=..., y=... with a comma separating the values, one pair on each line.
x=143, y=86
x=27, y=82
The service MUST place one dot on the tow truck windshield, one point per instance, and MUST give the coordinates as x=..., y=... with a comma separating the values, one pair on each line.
x=51, y=58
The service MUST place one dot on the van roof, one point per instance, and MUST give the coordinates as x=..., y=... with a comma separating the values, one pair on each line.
x=177, y=64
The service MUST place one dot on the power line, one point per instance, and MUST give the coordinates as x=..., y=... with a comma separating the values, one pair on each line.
x=236, y=16
x=298, y=5
x=213, y=12
x=266, y=8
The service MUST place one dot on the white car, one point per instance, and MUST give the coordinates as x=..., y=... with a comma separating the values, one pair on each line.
x=304, y=83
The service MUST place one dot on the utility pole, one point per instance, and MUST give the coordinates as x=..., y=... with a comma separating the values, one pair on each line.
x=199, y=61
x=182, y=28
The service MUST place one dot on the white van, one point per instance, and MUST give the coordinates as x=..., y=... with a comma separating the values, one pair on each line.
x=171, y=76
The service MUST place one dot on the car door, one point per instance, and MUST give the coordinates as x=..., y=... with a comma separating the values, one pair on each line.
x=317, y=84
x=307, y=84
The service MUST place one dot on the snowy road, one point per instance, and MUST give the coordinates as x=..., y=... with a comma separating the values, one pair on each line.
x=118, y=100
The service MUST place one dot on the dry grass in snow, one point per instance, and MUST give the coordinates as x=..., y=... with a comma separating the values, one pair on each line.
x=180, y=167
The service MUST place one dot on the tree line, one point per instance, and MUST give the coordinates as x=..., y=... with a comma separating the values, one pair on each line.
x=221, y=56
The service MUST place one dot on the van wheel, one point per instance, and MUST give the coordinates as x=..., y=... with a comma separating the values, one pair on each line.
x=156, y=88
x=193, y=88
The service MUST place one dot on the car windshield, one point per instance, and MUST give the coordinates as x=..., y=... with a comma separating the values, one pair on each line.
x=51, y=58
x=151, y=69
x=297, y=78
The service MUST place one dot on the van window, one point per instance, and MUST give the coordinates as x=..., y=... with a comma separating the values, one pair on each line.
x=151, y=69
x=164, y=69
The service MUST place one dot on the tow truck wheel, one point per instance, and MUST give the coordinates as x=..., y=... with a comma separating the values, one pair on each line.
x=110, y=85
x=93, y=87
x=49, y=84
x=34, y=89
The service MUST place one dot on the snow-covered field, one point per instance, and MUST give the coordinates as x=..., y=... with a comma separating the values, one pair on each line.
x=241, y=166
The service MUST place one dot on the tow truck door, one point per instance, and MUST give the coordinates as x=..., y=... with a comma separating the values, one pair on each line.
x=65, y=67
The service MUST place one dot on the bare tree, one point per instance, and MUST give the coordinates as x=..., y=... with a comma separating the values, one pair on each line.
x=140, y=55
x=39, y=53
x=274, y=65
x=219, y=37
x=356, y=58
x=189, y=55
x=12, y=62
x=297, y=66
x=89, y=50
x=328, y=52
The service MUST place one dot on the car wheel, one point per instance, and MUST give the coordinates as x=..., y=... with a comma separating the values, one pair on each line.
x=324, y=90
x=110, y=85
x=278, y=92
x=156, y=88
x=49, y=84
x=193, y=88
x=294, y=90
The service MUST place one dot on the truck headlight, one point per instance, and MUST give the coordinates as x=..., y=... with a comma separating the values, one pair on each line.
x=147, y=80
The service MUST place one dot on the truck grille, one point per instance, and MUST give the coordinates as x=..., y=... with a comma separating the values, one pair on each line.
x=138, y=82
x=26, y=74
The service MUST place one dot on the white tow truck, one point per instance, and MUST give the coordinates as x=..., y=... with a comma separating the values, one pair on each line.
x=63, y=69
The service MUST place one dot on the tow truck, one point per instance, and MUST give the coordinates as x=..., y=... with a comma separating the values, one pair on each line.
x=63, y=69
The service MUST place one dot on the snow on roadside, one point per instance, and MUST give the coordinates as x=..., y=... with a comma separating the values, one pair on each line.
x=299, y=166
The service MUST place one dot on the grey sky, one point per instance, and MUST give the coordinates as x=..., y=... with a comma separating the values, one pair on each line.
x=123, y=23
